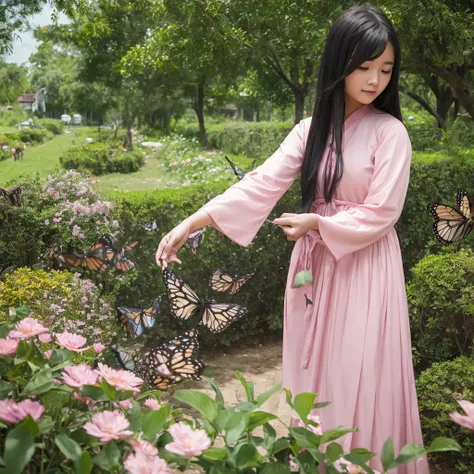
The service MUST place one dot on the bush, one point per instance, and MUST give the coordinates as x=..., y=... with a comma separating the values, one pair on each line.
x=61, y=301
x=438, y=389
x=56, y=127
x=5, y=154
x=99, y=159
x=441, y=301
x=33, y=136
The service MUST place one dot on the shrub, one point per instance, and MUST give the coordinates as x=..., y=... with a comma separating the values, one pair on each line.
x=438, y=389
x=61, y=301
x=441, y=300
x=33, y=136
x=56, y=127
x=99, y=159
x=5, y=154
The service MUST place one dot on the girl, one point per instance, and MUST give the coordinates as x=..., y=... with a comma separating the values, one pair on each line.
x=351, y=343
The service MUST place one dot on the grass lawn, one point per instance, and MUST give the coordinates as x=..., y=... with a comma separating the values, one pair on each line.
x=5, y=129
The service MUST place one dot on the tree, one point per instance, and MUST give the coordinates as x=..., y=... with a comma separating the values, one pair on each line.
x=13, y=82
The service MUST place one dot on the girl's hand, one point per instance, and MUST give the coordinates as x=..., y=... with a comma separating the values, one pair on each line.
x=296, y=225
x=171, y=243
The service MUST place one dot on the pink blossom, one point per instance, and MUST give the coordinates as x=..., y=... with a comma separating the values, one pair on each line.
x=8, y=346
x=140, y=463
x=126, y=404
x=144, y=446
x=13, y=150
x=77, y=376
x=98, y=347
x=186, y=441
x=90, y=402
x=152, y=404
x=121, y=379
x=12, y=412
x=73, y=342
x=174, y=163
x=108, y=425
x=48, y=354
x=293, y=465
x=466, y=421
x=45, y=338
x=26, y=328
x=24, y=147
x=46, y=222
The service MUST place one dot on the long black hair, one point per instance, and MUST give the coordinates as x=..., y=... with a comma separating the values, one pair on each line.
x=359, y=34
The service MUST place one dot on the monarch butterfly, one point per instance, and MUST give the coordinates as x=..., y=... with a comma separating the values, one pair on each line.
x=237, y=171
x=115, y=257
x=452, y=225
x=12, y=195
x=150, y=226
x=90, y=260
x=194, y=240
x=125, y=360
x=222, y=281
x=133, y=320
x=185, y=303
x=188, y=342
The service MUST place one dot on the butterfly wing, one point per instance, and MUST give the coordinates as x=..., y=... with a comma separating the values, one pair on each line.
x=125, y=360
x=239, y=282
x=194, y=240
x=221, y=281
x=237, y=171
x=188, y=342
x=464, y=203
x=148, y=316
x=130, y=320
x=71, y=259
x=219, y=316
x=130, y=245
x=182, y=299
x=450, y=225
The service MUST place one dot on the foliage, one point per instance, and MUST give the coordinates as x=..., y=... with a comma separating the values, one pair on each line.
x=61, y=301
x=441, y=300
x=54, y=126
x=438, y=388
x=66, y=406
x=14, y=82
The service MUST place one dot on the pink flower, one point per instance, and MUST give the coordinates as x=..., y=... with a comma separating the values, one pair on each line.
x=12, y=412
x=26, y=328
x=186, y=441
x=466, y=421
x=140, y=463
x=48, y=354
x=24, y=147
x=152, y=404
x=98, y=347
x=126, y=404
x=13, y=150
x=108, y=425
x=46, y=222
x=77, y=376
x=293, y=465
x=73, y=342
x=45, y=338
x=144, y=446
x=8, y=346
x=90, y=402
x=121, y=379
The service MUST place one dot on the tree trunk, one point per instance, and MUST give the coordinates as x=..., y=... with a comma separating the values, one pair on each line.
x=299, y=105
x=128, y=140
x=199, y=109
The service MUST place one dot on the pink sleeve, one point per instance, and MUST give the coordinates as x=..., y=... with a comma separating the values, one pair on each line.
x=355, y=228
x=242, y=209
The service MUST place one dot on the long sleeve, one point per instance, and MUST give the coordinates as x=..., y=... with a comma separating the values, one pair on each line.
x=353, y=229
x=241, y=210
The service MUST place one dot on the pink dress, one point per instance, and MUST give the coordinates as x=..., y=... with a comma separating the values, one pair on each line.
x=352, y=345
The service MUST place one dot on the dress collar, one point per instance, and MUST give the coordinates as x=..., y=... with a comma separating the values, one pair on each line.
x=355, y=117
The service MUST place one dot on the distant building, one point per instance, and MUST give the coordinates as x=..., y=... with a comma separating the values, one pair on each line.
x=26, y=101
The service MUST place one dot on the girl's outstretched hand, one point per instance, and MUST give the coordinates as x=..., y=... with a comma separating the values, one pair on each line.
x=296, y=225
x=171, y=243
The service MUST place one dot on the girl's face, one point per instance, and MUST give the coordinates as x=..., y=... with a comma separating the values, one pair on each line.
x=369, y=80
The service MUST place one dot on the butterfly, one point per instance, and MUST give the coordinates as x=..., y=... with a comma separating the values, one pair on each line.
x=114, y=257
x=194, y=240
x=237, y=171
x=12, y=195
x=126, y=361
x=222, y=281
x=150, y=226
x=89, y=260
x=184, y=304
x=133, y=320
x=452, y=225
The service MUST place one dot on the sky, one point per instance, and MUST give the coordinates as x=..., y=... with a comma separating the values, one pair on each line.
x=26, y=45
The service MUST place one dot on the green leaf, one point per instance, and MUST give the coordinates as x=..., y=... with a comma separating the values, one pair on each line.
x=236, y=426
x=5, y=389
x=269, y=434
x=275, y=468
x=303, y=404
x=289, y=398
x=217, y=390
x=248, y=457
x=40, y=383
x=154, y=421
x=108, y=389
x=443, y=444
x=410, y=452
x=261, y=399
x=60, y=356
x=387, y=455
x=96, y=393
x=30, y=425
x=22, y=311
x=84, y=464
x=68, y=447
x=109, y=457
x=135, y=416
x=259, y=418
x=215, y=454
x=279, y=445
x=248, y=386
x=334, y=451
x=302, y=278
x=19, y=449
x=321, y=404
x=23, y=352
x=332, y=435
x=201, y=402
x=306, y=439
x=45, y=424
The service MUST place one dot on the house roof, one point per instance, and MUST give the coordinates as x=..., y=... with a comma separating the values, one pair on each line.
x=27, y=98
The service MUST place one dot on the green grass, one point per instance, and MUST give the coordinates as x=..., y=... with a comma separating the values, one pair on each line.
x=6, y=129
